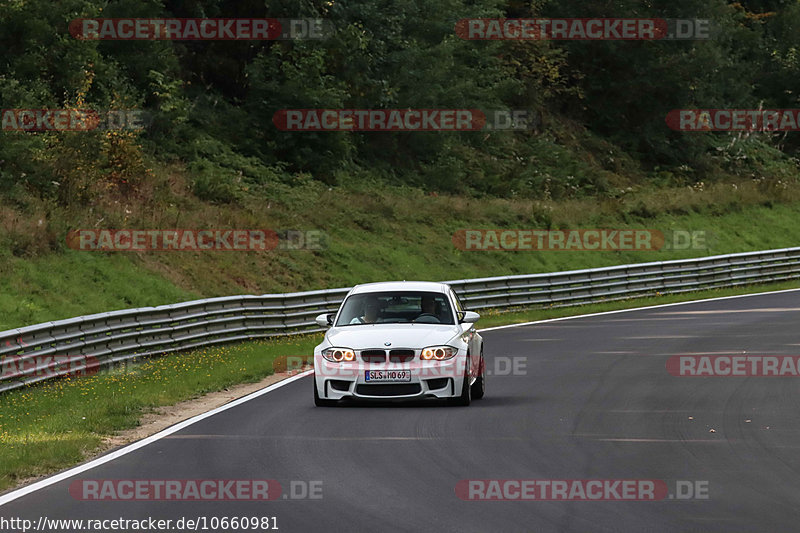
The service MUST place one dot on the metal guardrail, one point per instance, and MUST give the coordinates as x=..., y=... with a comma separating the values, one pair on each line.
x=107, y=338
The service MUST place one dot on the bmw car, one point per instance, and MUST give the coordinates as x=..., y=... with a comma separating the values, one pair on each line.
x=399, y=340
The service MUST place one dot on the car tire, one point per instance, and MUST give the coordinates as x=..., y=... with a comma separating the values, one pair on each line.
x=479, y=387
x=319, y=402
x=466, y=391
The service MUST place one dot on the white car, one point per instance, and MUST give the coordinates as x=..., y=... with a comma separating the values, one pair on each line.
x=399, y=340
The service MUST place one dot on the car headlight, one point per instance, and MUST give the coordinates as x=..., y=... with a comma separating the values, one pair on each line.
x=338, y=355
x=438, y=353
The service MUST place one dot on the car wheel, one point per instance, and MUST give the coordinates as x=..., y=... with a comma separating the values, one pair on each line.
x=479, y=387
x=466, y=391
x=319, y=402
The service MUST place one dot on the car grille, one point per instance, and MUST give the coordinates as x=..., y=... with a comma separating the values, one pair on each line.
x=400, y=356
x=438, y=383
x=389, y=389
x=340, y=385
x=373, y=356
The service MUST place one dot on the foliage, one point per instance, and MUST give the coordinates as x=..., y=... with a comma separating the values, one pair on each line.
x=602, y=104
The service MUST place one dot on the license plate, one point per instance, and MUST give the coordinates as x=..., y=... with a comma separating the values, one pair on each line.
x=374, y=376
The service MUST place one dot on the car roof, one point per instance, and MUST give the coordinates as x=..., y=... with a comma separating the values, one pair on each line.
x=387, y=286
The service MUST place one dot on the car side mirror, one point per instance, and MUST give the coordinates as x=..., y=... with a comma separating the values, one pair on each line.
x=325, y=320
x=469, y=317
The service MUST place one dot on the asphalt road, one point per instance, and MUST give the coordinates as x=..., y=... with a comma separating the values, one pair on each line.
x=594, y=401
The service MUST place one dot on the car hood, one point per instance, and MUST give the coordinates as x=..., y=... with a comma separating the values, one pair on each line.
x=414, y=336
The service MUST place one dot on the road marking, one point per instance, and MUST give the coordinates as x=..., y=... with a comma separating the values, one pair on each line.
x=650, y=411
x=600, y=437
x=650, y=319
x=729, y=352
x=345, y=439
x=716, y=441
x=718, y=311
x=668, y=337
x=299, y=437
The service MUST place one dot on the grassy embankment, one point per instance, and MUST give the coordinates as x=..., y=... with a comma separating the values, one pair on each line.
x=375, y=234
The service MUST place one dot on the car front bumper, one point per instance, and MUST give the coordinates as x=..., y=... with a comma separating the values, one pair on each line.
x=428, y=379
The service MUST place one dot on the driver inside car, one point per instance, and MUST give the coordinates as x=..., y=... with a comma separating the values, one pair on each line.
x=371, y=310
x=428, y=306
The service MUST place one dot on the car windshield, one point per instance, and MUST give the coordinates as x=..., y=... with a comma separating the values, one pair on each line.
x=396, y=307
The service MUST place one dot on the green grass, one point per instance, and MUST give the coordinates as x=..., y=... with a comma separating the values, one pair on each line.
x=48, y=427
x=73, y=284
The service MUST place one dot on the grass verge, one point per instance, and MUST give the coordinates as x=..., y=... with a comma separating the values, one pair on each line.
x=48, y=427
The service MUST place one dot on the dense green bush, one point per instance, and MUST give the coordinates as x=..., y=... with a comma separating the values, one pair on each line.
x=603, y=104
